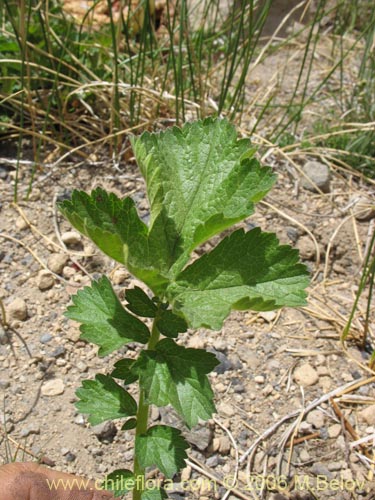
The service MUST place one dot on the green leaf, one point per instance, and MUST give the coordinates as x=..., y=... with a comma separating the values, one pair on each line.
x=162, y=446
x=154, y=494
x=123, y=371
x=119, y=481
x=129, y=424
x=172, y=374
x=139, y=303
x=247, y=270
x=202, y=178
x=103, y=399
x=103, y=319
x=169, y=324
x=115, y=227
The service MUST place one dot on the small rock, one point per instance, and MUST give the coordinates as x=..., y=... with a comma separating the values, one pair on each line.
x=306, y=248
x=70, y=457
x=364, y=207
x=4, y=337
x=105, y=431
x=306, y=375
x=17, y=309
x=259, y=379
x=4, y=384
x=119, y=276
x=21, y=224
x=319, y=469
x=31, y=429
x=316, y=173
x=212, y=461
x=53, y=387
x=315, y=418
x=226, y=410
x=305, y=428
x=59, y=351
x=200, y=436
x=268, y=316
x=45, y=338
x=224, y=445
x=82, y=367
x=45, y=280
x=79, y=420
x=57, y=261
x=267, y=390
x=368, y=415
x=334, y=466
x=225, y=364
x=304, y=456
x=334, y=430
x=71, y=238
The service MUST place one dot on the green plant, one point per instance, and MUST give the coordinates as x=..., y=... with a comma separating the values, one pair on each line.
x=200, y=180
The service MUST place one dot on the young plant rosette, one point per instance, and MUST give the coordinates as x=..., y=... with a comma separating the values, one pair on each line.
x=201, y=180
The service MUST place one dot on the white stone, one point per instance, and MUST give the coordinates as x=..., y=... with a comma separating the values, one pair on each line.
x=306, y=375
x=119, y=276
x=53, y=387
x=316, y=174
x=71, y=238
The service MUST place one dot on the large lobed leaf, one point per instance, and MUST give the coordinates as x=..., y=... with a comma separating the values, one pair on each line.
x=172, y=374
x=103, y=319
x=202, y=178
x=247, y=270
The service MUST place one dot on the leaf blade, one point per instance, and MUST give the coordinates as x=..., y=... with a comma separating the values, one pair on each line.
x=103, y=399
x=103, y=319
x=162, y=446
x=247, y=270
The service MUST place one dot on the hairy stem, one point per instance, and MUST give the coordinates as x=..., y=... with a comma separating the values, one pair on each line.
x=142, y=422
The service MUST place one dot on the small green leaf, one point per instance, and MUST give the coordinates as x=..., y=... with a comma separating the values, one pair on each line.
x=129, y=424
x=162, y=446
x=119, y=481
x=247, y=270
x=169, y=324
x=123, y=371
x=172, y=374
x=139, y=303
x=154, y=494
x=103, y=319
x=103, y=399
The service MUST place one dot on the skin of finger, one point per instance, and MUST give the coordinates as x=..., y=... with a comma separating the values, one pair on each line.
x=31, y=481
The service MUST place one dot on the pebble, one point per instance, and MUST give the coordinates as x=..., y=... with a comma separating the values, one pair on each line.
x=319, y=469
x=82, y=367
x=334, y=430
x=259, y=379
x=368, y=415
x=79, y=420
x=4, y=337
x=21, y=224
x=30, y=429
x=119, y=276
x=306, y=248
x=105, y=432
x=4, y=384
x=45, y=338
x=304, y=456
x=71, y=238
x=57, y=261
x=364, y=208
x=334, y=466
x=226, y=409
x=315, y=418
x=268, y=316
x=17, y=309
x=200, y=436
x=306, y=375
x=319, y=174
x=212, y=461
x=53, y=387
x=45, y=280
x=224, y=445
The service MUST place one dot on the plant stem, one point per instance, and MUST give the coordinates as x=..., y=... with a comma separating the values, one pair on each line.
x=142, y=422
